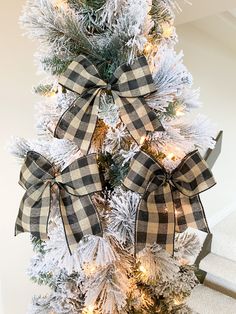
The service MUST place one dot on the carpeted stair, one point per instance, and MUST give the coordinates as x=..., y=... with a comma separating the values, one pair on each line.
x=221, y=274
x=218, y=294
x=224, y=238
x=208, y=301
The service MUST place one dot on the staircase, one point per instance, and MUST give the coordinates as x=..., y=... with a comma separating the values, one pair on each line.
x=217, y=295
x=208, y=301
x=220, y=264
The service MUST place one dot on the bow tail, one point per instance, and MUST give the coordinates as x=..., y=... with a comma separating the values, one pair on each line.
x=34, y=212
x=155, y=221
x=138, y=117
x=79, y=121
x=79, y=218
x=189, y=212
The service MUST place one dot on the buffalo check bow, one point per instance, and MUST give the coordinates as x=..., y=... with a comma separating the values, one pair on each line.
x=128, y=86
x=170, y=201
x=75, y=184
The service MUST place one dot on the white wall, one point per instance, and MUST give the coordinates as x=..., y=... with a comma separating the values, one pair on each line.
x=214, y=68
x=17, y=118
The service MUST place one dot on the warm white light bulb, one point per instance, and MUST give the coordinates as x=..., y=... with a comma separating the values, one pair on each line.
x=89, y=309
x=170, y=156
x=142, y=269
x=60, y=3
x=148, y=48
x=178, y=301
x=142, y=140
x=179, y=113
x=90, y=269
x=167, y=30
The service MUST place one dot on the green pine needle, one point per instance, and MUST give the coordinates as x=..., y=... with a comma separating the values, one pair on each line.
x=95, y=4
x=55, y=65
x=43, y=90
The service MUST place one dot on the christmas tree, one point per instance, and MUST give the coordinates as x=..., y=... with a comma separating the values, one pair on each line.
x=113, y=180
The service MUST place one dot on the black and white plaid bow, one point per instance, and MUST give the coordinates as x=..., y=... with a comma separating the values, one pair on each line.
x=75, y=184
x=170, y=201
x=128, y=86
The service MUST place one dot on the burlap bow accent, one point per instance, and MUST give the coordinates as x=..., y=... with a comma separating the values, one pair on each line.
x=75, y=184
x=128, y=86
x=170, y=201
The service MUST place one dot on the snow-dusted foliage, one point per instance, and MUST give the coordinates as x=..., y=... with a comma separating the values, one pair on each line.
x=170, y=78
x=122, y=216
x=50, y=109
x=58, y=152
x=187, y=245
x=103, y=275
x=156, y=264
x=114, y=138
x=108, y=111
x=108, y=289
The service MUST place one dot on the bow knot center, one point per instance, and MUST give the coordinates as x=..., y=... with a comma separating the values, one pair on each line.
x=54, y=183
x=108, y=87
x=54, y=180
x=162, y=179
x=166, y=178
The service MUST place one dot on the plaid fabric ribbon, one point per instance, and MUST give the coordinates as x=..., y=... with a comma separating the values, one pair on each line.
x=128, y=86
x=170, y=201
x=75, y=184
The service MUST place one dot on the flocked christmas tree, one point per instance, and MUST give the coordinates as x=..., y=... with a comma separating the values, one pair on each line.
x=113, y=180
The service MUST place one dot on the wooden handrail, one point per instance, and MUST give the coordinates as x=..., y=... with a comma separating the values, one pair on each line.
x=212, y=154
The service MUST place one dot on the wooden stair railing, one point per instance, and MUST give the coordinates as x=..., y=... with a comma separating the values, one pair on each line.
x=211, y=156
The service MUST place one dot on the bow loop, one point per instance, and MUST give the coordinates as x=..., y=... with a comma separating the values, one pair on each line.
x=81, y=177
x=133, y=80
x=143, y=179
x=193, y=176
x=81, y=75
x=74, y=186
x=37, y=192
x=170, y=201
x=161, y=178
x=35, y=169
x=34, y=211
x=129, y=85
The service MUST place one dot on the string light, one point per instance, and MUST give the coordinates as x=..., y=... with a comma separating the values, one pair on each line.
x=178, y=301
x=148, y=48
x=89, y=310
x=51, y=94
x=144, y=273
x=179, y=113
x=170, y=156
x=142, y=269
x=60, y=4
x=167, y=30
x=183, y=262
x=90, y=269
x=177, y=213
x=54, y=91
x=142, y=140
